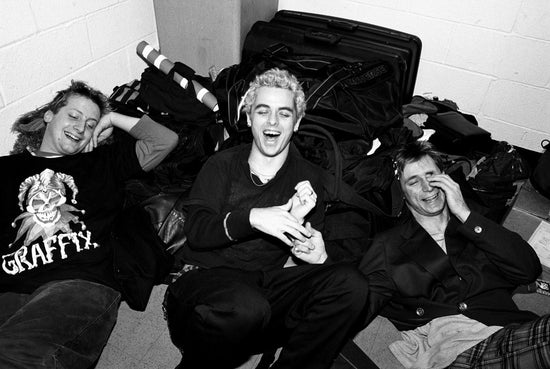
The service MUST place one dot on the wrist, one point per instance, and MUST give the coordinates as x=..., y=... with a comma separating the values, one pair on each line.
x=252, y=217
x=322, y=258
x=463, y=215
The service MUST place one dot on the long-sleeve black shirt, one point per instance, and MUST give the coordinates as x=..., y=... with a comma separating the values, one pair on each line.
x=223, y=187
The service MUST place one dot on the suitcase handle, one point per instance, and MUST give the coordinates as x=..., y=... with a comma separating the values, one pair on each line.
x=322, y=36
x=342, y=25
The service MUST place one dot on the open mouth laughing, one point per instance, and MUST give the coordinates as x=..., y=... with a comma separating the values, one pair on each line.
x=271, y=135
x=433, y=198
x=72, y=136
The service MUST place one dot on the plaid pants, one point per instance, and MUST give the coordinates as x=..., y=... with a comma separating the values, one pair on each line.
x=525, y=346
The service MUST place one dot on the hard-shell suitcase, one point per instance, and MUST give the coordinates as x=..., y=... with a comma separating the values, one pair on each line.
x=308, y=33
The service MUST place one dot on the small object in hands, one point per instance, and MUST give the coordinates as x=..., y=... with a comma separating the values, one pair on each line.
x=303, y=200
x=162, y=63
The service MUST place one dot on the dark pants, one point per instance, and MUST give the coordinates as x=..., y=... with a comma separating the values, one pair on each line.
x=220, y=316
x=63, y=324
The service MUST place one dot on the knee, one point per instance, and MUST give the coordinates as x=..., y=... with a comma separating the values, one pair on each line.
x=227, y=316
x=238, y=315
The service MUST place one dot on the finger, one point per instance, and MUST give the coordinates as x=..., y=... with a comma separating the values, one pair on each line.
x=287, y=206
x=285, y=238
x=303, y=245
x=297, y=232
x=301, y=184
x=301, y=229
x=306, y=191
x=300, y=250
x=95, y=133
x=296, y=199
x=304, y=186
x=445, y=178
x=439, y=182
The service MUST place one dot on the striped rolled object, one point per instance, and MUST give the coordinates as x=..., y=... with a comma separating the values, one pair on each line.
x=162, y=63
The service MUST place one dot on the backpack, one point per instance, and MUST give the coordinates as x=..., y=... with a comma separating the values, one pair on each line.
x=540, y=178
x=167, y=103
x=352, y=218
x=494, y=177
x=456, y=132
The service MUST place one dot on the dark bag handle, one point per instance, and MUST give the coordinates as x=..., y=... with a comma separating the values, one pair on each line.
x=339, y=190
x=540, y=177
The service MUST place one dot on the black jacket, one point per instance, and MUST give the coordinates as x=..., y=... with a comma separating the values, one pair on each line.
x=412, y=280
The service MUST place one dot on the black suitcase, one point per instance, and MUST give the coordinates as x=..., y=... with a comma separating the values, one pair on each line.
x=308, y=33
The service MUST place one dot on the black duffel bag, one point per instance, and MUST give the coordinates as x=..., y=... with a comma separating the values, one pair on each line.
x=358, y=99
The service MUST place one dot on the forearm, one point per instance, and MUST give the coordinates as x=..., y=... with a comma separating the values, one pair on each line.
x=123, y=122
x=210, y=230
x=153, y=141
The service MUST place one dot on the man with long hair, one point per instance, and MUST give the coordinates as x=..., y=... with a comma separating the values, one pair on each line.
x=58, y=297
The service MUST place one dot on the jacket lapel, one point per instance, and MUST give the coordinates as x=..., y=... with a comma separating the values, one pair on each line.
x=424, y=251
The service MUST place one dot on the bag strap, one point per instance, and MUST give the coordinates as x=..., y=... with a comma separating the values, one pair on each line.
x=339, y=190
x=327, y=85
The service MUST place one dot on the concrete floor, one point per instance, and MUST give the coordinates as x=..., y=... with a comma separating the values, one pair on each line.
x=140, y=340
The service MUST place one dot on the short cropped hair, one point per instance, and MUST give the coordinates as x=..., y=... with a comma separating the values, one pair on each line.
x=413, y=152
x=276, y=77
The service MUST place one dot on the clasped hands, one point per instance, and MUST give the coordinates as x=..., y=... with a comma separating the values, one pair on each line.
x=285, y=223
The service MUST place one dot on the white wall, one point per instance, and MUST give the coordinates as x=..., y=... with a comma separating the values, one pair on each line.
x=205, y=33
x=46, y=43
x=491, y=57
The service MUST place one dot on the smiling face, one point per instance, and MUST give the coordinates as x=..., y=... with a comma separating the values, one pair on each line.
x=70, y=129
x=273, y=120
x=422, y=198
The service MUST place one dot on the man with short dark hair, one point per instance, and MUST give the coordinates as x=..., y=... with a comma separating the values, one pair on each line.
x=445, y=277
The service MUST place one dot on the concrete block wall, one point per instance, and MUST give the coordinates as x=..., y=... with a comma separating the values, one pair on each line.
x=491, y=57
x=46, y=43
x=205, y=33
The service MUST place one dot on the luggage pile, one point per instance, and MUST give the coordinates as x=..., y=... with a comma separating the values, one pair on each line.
x=359, y=81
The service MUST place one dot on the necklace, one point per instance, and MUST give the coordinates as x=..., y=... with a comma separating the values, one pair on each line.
x=260, y=179
x=260, y=174
x=256, y=180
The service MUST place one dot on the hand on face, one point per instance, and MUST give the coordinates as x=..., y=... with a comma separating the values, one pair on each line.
x=303, y=201
x=278, y=222
x=104, y=129
x=453, y=195
x=312, y=249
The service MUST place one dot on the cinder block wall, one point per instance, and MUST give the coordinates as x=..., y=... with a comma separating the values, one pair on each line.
x=491, y=57
x=46, y=43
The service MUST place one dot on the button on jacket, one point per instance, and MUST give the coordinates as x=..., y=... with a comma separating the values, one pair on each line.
x=484, y=263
